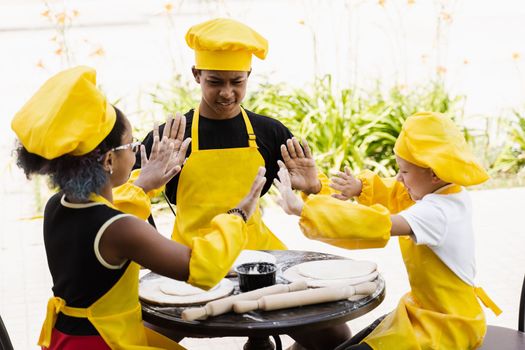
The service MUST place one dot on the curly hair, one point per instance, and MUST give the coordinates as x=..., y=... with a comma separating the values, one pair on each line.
x=76, y=176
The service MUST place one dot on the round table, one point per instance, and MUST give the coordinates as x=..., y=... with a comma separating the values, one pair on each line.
x=259, y=325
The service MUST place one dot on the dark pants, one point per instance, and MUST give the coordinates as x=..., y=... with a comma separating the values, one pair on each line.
x=353, y=343
x=327, y=338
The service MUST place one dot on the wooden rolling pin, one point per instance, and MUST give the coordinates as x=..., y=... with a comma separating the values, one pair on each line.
x=222, y=306
x=304, y=297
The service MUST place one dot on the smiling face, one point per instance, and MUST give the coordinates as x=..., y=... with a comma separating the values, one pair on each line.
x=222, y=92
x=417, y=180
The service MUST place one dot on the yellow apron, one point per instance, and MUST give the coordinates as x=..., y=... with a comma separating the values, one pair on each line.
x=212, y=182
x=117, y=315
x=440, y=312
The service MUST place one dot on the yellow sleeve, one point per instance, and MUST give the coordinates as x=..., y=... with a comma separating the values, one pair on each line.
x=213, y=254
x=131, y=199
x=388, y=192
x=345, y=224
x=325, y=189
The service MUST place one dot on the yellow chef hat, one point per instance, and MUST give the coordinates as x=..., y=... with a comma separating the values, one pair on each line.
x=67, y=115
x=225, y=44
x=432, y=140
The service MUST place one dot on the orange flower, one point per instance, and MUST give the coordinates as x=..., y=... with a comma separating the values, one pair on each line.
x=59, y=51
x=381, y=2
x=447, y=17
x=516, y=56
x=441, y=70
x=40, y=64
x=168, y=7
x=61, y=18
x=98, y=52
x=46, y=14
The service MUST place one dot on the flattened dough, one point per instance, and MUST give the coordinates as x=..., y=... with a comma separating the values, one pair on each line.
x=150, y=291
x=293, y=273
x=335, y=269
x=174, y=287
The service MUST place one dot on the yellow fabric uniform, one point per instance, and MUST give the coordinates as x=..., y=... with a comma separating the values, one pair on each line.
x=118, y=319
x=441, y=311
x=213, y=181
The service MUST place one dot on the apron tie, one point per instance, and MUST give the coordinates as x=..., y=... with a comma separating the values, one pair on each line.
x=485, y=299
x=55, y=305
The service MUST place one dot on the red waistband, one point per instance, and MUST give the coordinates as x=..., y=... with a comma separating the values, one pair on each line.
x=60, y=341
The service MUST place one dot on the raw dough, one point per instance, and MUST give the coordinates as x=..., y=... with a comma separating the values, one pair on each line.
x=335, y=269
x=294, y=273
x=174, y=287
x=150, y=291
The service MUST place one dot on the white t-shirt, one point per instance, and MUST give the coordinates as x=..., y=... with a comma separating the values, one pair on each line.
x=443, y=222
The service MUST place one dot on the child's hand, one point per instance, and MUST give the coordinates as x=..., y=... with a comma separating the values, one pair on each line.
x=301, y=166
x=167, y=154
x=249, y=203
x=347, y=184
x=288, y=200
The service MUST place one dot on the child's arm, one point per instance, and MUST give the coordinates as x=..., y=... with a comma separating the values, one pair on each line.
x=370, y=189
x=132, y=199
x=203, y=264
x=165, y=161
x=344, y=224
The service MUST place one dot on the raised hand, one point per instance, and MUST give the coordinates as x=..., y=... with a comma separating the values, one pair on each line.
x=301, y=166
x=249, y=203
x=167, y=154
x=347, y=184
x=289, y=201
x=174, y=130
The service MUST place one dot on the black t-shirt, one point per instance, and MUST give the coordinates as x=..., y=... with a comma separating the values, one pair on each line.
x=78, y=276
x=231, y=133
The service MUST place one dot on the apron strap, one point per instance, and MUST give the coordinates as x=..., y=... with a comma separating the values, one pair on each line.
x=485, y=299
x=249, y=129
x=55, y=305
x=195, y=130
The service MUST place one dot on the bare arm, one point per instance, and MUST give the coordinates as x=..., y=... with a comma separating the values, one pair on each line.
x=132, y=238
x=400, y=226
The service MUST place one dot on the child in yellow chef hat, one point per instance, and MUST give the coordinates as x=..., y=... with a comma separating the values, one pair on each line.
x=428, y=208
x=229, y=144
x=69, y=131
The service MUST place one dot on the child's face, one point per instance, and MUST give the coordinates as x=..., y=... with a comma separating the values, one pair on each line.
x=417, y=180
x=222, y=92
x=124, y=159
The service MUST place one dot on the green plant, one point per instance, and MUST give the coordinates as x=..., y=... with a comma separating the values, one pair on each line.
x=512, y=158
x=176, y=96
x=350, y=127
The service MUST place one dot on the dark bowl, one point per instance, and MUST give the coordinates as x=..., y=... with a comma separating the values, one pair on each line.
x=256, y=275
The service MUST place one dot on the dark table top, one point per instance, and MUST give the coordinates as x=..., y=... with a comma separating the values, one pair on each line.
x=264, y=323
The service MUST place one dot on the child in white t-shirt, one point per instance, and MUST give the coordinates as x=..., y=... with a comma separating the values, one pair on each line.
x=426, y=206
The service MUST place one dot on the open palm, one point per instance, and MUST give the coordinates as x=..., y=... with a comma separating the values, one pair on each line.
x=301, y=166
